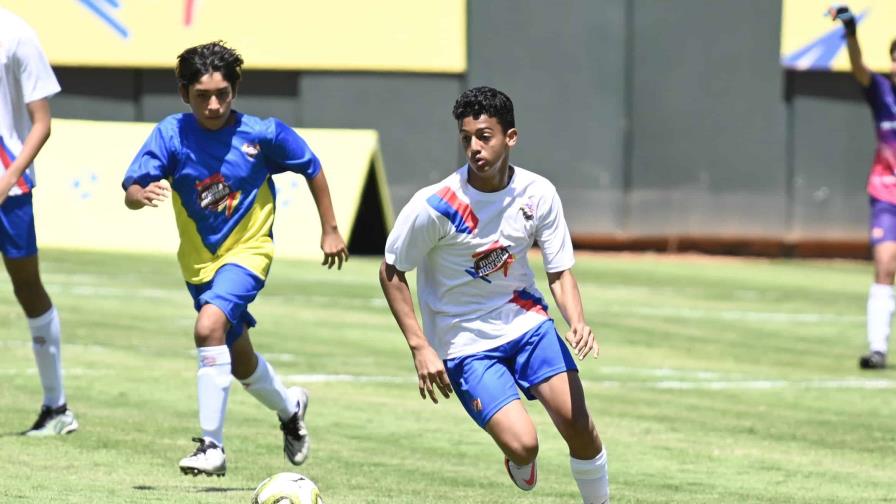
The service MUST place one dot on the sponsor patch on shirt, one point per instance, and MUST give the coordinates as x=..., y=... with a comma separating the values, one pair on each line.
x=493, y=258
x=215, y=194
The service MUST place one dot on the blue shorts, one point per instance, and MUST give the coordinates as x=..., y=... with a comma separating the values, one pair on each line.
x=882, y=225
x=17, y=236
x=231, y=289
x=486, y=381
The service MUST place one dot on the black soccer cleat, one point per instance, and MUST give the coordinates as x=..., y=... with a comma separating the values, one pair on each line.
x=296, y=441
x=53, y=422
x=873, y=360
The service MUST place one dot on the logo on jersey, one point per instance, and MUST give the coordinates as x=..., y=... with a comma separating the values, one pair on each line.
x=528, y=210
x=493, y=258
x=215, y=194
x=251, y=150
x=477, y=405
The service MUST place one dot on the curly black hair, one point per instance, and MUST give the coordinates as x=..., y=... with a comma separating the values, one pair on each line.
x=486, y=100
x=198, y=61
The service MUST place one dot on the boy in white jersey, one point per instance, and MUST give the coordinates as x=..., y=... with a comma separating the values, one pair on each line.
x=26, y=84
x=486, y=331
x=219, y=163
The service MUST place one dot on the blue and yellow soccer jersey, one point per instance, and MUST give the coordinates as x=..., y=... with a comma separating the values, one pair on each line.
x=223, y=193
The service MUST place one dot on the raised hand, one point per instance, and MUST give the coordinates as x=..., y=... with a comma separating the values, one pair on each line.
x=842, y=13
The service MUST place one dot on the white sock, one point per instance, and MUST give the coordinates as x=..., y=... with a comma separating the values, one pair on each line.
x=591, y=476
x=265, y=385
x=881, y=304
x=213, y=380
x=45, y=341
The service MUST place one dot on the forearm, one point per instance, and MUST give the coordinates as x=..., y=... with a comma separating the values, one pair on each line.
x=398, y=296
x=37, y=136
x=859, y=70
x=566, y=294
x=320, y=191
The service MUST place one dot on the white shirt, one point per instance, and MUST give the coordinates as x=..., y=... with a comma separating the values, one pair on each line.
x=25, y=76
x=474, y=283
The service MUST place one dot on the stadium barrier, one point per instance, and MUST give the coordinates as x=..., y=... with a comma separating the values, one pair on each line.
x=79, y=202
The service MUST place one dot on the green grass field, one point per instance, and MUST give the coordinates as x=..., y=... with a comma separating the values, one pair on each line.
x=719, y=381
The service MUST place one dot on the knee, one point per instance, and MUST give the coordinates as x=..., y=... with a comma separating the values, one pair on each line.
x=523, y=451
x=884, y=274
x=208, y=334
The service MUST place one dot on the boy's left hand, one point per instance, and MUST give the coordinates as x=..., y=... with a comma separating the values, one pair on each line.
x=581, y=339
x=335, y=251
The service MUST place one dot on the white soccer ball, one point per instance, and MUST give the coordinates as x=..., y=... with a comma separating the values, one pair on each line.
x=287, y=488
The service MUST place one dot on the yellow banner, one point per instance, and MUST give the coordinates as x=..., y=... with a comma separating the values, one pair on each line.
x=350, y=35
x=811, y=41
x=79, y=202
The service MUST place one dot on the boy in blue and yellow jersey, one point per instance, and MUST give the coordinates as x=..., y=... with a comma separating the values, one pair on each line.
x=217, y=164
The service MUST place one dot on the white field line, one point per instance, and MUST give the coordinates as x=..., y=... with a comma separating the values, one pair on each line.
x=738, y=315
x=820, y=384
x=65, y=372
x=347, y=378
x=826, y=384
x=378, y=302
x=182, y=294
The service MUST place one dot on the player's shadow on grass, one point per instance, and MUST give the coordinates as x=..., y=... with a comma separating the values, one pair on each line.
x=199, y=490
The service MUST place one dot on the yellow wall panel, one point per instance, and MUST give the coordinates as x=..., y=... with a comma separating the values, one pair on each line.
x=811, y=41
x=353, y=35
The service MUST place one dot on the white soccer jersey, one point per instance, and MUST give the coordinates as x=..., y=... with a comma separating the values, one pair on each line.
x=25, y=76
x=474, y=283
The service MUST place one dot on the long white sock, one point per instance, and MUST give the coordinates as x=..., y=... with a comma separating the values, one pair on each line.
x=881, y=304
x=591, y=476
x=213, y=381
x=265, y=385
x=45, y=341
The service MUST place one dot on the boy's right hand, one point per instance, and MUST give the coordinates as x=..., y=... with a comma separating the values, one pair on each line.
x=155, y=193
x=431, y=374
x=845, y=16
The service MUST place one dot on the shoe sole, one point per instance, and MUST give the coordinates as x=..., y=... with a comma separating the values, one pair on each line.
x=304, y=399
x=192, y=471
x=68, y=429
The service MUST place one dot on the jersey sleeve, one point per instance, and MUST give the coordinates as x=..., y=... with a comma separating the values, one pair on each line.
x=552, y=235
x=153, y=161
x=874, y=91
x=289, y=152
x=37, y=77
x=415, y=233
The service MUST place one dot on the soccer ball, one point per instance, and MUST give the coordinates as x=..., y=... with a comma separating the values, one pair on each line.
x=287, y=488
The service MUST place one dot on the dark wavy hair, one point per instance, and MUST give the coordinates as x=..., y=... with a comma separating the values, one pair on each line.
x=481, y=100
x=197, y=61
x=892, y=47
